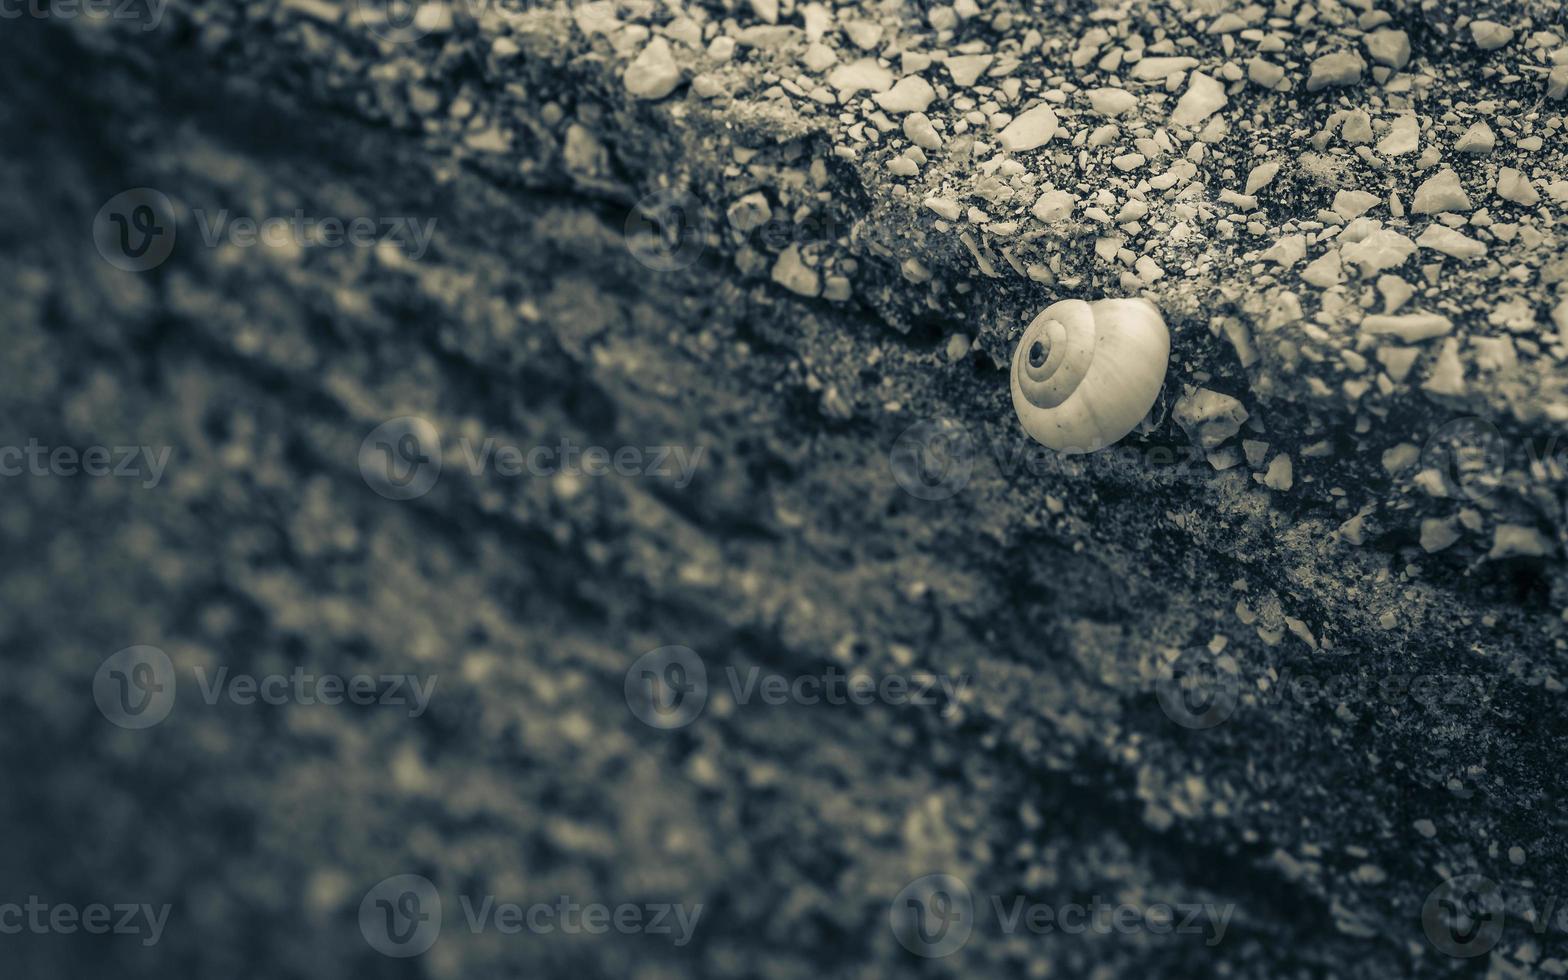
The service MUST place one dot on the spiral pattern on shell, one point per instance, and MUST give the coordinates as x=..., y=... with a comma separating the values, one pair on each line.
x=1085, y=374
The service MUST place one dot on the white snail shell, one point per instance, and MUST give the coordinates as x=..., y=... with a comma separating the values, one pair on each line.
x=1085, y=374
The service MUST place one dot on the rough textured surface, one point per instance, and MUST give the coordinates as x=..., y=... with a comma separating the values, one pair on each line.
x=1325, y=527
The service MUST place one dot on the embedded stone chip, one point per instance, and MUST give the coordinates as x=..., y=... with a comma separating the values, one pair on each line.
x=1379, y=251
x=1404, y=136
x=967, y=68
x=1031, y=128
x=919, y=131
x=1338, y=69
x=911, y=94
x=1204, y=97
x=1478, y=140
x=791, y=272
x=1261, y=176
x=1261, y=71
x=653, y=74
x=1160, y=68
x=1443, y=239
x=1390, y=47
x=1516, y=187
x=1409, y=327
x=1054, y=205
x=1489, y=35
x=1353, y=204
x=1112, y=102
x=865, y=75
x=1441, y=192
x=1209, y=417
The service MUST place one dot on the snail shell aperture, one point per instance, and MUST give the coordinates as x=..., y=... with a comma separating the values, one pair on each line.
x=1085, y=374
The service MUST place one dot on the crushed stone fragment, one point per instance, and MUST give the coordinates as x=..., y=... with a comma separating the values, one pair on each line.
x=911, y=94
x=1161, y=68
x=1357, y=127
x=1030, y=129
x=1261, y=176
x=1478, y=140
x=1281, y=476
x=1557, y=82
x=1404, y=136
x=1325, y=271
x=1437, y=534
x=653, y=74
x=1518, y=541
x=1204, y=97
x=1441, y=192
x=919, y=131
x=865, y=75
x=1264, y=73
x=1112, y=102
x=1448, y=373
x=864, y=34
x=1054, y=205
x=1394, y=290
x=1353, y=204
x=1409, y=327
x=967, y=68
x=1379, y=251
x=1209, y=417
x=1288, y=250
x=1397, y=361
x=1443, y=239
x=791, y=272
x=1516, y=187
x=1338, y=69
x=943, y=207
x=749, y=212
x=1390, y=47
x=1489, y=35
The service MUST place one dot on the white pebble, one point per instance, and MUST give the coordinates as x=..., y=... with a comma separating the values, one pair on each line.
x=1205, y=96
x=1441, y=192
x=911, y=94
x=653, y=75
x=1032, y=128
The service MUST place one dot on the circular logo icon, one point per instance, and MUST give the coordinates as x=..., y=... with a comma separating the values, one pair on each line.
x=401, y=458
x=135, y=687
x=1470, y=454
x=135, y=230
x=933, y=916
x=667, y=688
x=399, y=21
x=1198, y=689
x=933, y=459
x=1463, y=917
x=401, y=916
x=666, y=231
